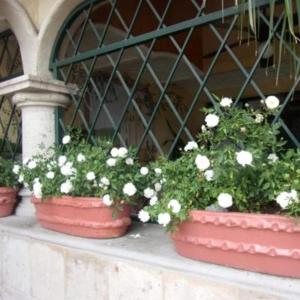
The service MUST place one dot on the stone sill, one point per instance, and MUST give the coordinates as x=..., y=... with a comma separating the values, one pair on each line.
x=149, y=245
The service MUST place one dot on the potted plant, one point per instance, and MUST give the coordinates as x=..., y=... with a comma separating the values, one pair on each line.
x=83, y=189
x=8, y=186
x=232, y=198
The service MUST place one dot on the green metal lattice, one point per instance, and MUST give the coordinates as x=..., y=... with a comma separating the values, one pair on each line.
x=96, y=41
x=10, y=116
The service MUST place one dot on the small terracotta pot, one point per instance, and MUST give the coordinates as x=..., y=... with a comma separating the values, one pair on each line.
x=8, y=198
x=82, y=216
x=256, y=242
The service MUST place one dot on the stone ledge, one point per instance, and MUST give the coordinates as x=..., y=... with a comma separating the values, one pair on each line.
x=148, y=244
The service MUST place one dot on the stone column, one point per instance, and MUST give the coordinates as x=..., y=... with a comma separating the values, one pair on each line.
x=37, y=100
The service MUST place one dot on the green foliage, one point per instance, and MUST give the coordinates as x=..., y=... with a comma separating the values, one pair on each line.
x=78, y=168
x=240, y=155
x=7, y=177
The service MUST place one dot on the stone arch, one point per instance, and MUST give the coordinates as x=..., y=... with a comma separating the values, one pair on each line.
x=24, y=30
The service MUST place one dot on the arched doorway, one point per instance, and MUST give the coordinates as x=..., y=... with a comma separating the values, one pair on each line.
x=144, y=69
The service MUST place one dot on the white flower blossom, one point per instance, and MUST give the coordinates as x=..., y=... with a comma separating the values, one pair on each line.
x=226, y=102
x=37, y=189
x=244, y=158
x=144, y=171
x=129, y=189
x=272, y=102
x=209, y=174
x=164, y=219
x=202, y=162
x=21, y=178
x=129, y=161
x=90, y=176
x=294, y=195
x=80, y=157
x=258, y=118
x=32, y=164
x=16, y=169
x=107, y=200
x=149, y=193
x=61, y=160
x=50, y=175
x=111, y=162
x=212, y=120
x=105, y=181
x=174, y=205
x=144, y=216
x=66, y=139
x=272, y=158
x=225, y=200
x=157, y=171
x=283, y=199
x=122, y=152
x=114, y=152
x=153, y=201
x=157, y=187
x=190, y=146
x=67, y=169
x=203, y=128
x=66, y=187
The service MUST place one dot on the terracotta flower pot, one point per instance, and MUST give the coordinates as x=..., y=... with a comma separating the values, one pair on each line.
x=256, y=242
x=82, y=216
x=8, y=198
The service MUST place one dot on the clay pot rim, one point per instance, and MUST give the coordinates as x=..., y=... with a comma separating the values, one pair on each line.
x=8, y=189
x=74, y=201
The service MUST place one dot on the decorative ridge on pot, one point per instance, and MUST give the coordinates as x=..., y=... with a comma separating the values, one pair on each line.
x=235, y=219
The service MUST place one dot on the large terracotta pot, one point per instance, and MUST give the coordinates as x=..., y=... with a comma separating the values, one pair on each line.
x=256, y=242
x=8, y=198
x=82, y=216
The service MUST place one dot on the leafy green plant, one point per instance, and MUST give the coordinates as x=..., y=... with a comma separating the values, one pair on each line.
x=77, y=168
x=8, y=171
x=239, y=164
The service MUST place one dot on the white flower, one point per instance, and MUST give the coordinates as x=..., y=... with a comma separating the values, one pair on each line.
x=122, y=152
x=129, y=189
x=16, y=169
x=209, y=174
x=26, y=160
x=114, y=152
x=90, y=176
x=111, y=162
x=105, y=181
x=272, y=102
x=66, y=139
x=149, y=193
x=243, y=129
x=164, y=219
x=294, y=195
x=226, y=102
x=37, y=189
x=21, y=178
x=190, y=146
x=50, y=175
x=32, y=164
x=80, y=157
x=129, y=161
x=272, y=157
x=157, y=186
x=174, y=205
x=66, y=187
x=283, y=199
x=153, y=201
x=157, y=171
x=212, y=120
x=225, y=200
x=258, y=118
x=61, y=160
x=202, y=162
x=144, y=216
x=163, y=180
x=144, y=170
x=244, y=158
x=203, y=128
x=107, y=200
x=67, y=170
